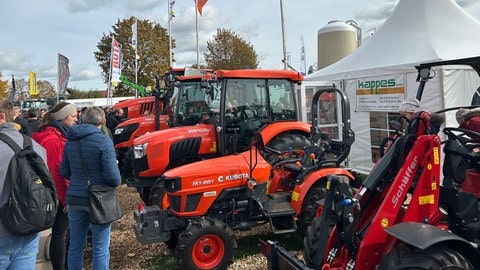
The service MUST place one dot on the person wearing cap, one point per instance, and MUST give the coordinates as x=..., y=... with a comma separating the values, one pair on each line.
x=418, y=120
x=469, y=119
x=51, y=135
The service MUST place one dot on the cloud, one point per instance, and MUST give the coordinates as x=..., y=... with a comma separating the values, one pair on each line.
x=14, y=60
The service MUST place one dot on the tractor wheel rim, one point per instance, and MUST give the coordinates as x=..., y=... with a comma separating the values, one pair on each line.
x=208, y=251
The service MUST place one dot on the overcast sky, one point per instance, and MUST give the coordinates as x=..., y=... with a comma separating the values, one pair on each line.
x=34, y=32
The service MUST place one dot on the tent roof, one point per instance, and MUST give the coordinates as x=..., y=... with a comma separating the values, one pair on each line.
x=417, y=31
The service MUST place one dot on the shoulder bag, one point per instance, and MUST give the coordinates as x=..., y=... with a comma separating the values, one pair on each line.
x=104, y=204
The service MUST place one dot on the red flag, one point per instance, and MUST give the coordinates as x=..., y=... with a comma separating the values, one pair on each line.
x=200, y=4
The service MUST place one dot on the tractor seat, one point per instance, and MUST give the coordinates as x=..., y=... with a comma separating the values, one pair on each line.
x=455, y=163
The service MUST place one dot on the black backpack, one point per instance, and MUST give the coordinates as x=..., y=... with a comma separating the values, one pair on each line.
x=33, y=203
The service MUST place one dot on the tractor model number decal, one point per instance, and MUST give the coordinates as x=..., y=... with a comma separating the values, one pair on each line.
x=202, y=182
x=436, y=156
x=405, y=178
x=198, y=130
x=428, y=199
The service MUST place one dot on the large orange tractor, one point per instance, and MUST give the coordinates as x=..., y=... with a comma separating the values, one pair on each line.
x=406, y=214
x=156, y=114
x=245, y=181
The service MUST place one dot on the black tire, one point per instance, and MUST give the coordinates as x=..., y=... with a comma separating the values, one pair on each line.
x=439, y=257
x=156, y=196
x=144, y=193
x=205, y=244
x=127, y=165
x=311, y=206
x=173, y=241
x=312, y=245
x=283, y=142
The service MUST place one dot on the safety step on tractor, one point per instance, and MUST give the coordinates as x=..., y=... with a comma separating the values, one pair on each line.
x=255, y=180
x=404, y=216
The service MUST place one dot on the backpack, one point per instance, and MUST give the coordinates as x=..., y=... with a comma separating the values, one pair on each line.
x=33, y=203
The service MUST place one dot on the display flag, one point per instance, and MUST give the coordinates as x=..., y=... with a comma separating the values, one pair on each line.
x=63, y=73
x=303, y=64
x=134, y=34
x=33, y=84
x=200, y=5
x=171, y=13
x=116, y=61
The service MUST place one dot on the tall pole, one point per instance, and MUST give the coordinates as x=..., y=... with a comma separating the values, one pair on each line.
x=196, y=33
x=136, y=58
x=283, y=36
x=170, y=33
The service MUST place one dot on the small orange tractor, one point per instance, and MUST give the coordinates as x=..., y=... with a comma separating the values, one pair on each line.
x=405, y=215
x=239, y=169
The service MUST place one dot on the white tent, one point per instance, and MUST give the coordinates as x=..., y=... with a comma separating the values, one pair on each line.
x=418, y=31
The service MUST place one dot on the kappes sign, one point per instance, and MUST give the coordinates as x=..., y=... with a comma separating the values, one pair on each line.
x=375, y=84
x=383, y=93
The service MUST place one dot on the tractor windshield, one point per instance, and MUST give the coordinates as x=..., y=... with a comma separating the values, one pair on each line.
x=192, y=103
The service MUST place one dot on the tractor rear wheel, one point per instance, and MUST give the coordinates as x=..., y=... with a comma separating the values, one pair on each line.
x=286, y=141
x=205, y=244
x=441, y=257
x=311, y=207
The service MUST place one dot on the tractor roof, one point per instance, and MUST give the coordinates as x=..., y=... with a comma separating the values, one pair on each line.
x=260, y=74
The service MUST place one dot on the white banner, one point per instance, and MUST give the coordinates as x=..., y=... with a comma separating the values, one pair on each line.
x=383, y=93
x=116, y=61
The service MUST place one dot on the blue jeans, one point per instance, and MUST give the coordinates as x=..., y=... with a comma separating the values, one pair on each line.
x=19, y=252
x=79, y=218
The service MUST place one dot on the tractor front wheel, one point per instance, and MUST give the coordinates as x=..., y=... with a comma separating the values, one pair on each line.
x=311, y=207
x=403, y=257
x=205, y=244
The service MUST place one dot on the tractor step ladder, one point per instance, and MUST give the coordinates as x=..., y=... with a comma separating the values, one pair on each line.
x=279, y=212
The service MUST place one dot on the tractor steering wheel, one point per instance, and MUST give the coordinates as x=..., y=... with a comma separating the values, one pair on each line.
x=460, y=134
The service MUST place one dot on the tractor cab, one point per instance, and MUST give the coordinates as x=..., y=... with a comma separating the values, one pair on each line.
x=248, y=100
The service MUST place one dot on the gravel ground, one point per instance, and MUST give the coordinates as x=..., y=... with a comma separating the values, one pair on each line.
x=127, y=253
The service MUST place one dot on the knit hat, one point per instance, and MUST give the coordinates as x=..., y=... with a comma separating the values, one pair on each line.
x=64, y=112
x=409, y=105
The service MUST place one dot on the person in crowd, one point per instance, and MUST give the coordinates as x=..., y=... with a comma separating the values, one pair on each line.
x=21, y=124
x=33, y=121
x=419, y=120
x=42, y=113
x=16, y=251
x=51, y=135
x=99, y=158
x=113, y=119
x=80, y=115
x=469, y=119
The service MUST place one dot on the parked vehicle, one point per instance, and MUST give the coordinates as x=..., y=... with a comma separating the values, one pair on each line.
x=404, y=216
x=258, y=150
x=171, y=106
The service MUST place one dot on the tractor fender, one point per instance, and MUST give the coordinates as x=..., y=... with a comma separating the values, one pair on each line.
x=272, y=130
x=300, y=191
x=422, y=236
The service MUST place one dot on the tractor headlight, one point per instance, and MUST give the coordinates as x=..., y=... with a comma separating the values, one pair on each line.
x=118, y=131
x=140, y=150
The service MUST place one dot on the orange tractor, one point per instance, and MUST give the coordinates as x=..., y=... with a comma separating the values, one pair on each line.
x=156, y=114
x=405, y=215
x=244, y=181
